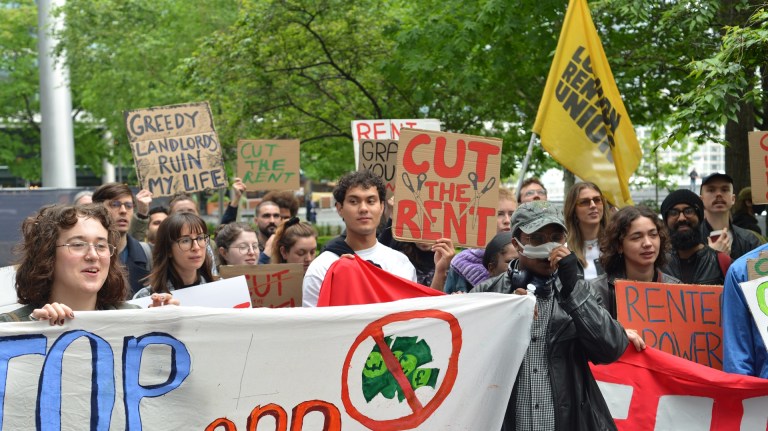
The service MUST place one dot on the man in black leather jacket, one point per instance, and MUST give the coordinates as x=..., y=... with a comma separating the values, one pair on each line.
x=555, y=389
x=690, y=260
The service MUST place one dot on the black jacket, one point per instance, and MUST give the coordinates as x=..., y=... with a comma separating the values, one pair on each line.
x=706, y=267
x=744, y=241
x=579, y=330
x=136, y=264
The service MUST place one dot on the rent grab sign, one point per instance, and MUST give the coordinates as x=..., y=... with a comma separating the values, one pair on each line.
x=447, y=187
x=176, y=149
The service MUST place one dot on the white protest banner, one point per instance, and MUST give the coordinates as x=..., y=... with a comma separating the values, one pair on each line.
x=176, y=149
x=433, y=363
x=386, y=129
x=755, y=294
x=226, y=293
x=7, y=285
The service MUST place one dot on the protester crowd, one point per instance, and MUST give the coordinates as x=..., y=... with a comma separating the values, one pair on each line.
x=110, y=246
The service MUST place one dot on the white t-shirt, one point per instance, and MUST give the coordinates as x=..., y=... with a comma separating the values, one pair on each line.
x=591, y=252
x=388, y=259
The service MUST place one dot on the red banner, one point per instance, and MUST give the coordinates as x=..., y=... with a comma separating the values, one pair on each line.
x=653, y=390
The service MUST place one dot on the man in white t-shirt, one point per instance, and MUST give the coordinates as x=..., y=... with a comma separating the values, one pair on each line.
x=360, y=200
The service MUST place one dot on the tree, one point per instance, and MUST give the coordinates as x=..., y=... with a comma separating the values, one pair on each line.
x=19, y=104
x=127, y=54
x=731, y=89
x=305, y=70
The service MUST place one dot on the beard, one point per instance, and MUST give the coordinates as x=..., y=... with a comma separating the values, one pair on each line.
x=687, y=239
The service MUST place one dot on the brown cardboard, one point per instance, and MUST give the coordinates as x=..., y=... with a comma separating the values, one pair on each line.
x=757, y=267
x=380, y=156
x=758, y=166
x=447, y=186
x=268, y=164
x=176, y=149
x=272, y=286
x=680, y=319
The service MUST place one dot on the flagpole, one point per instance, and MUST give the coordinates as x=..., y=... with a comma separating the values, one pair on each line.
x=527, y=159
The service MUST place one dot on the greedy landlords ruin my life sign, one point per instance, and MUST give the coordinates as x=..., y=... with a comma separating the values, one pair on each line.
x=176, y=149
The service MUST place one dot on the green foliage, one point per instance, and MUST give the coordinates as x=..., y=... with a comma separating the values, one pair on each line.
x=125, y=55
x=305, y=70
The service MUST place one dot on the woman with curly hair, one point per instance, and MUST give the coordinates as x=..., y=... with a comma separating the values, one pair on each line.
x=179, y=258
x=68, y=264
x=634, y=247
x=585, y=218
x=294, y=242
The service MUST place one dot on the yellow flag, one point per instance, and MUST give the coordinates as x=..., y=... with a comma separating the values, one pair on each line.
x=582, y=121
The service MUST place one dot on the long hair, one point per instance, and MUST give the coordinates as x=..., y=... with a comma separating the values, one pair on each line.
x=226, y=234
x=611, y=258
x=286, y=236
x=168, y=232
x=575, y=238
x=35, y=274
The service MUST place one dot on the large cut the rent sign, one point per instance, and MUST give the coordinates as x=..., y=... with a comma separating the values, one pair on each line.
x=427, y=363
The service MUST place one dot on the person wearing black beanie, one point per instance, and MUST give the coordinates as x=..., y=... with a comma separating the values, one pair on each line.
x=690, y=260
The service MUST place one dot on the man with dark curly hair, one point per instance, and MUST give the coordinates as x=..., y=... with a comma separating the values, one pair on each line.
x=360, y=200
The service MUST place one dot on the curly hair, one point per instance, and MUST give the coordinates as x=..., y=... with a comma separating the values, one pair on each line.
x=284, y=199
x=286, y=236
x=575, y=238
x=226, y=234
x=168, y=232
x=611, y=258
x=36, y=272
x=365, y=179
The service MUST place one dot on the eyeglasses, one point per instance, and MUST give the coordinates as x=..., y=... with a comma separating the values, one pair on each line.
x=588, y=201
x=117, y=204
x=540, y=192
x=244, y=248
x=687, y=211
x=541, y=238
x=185, y=242
x=82, y=248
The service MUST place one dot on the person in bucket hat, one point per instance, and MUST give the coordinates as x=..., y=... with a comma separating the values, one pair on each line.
x=561, y=341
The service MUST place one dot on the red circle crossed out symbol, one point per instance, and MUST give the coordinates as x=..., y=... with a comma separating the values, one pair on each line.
x=420, y=413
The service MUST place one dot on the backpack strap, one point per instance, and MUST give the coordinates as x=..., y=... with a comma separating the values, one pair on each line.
x=148, y=253
x=724, y=261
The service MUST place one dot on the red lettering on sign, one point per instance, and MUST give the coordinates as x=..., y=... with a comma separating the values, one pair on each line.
x=274, y=410
x=763, y=144
x=363, y=130
x=452, y=222
x=408, y=163
x=441, y=167
x=406, y=212
x=483, y=151
x=331, y=413
x=224, y=423
x=379, y=131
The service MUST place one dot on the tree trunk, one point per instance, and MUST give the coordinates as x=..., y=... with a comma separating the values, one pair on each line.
x=568, y=180
x=737, y=153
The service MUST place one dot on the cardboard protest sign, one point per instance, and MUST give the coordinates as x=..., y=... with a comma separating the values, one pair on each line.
x=447, y=186
x=226, y=293
x=176, y=149
x=272, y=286
x=402, y=365
x=380, y=157
x=377, y=130
x=758, y=166
x=757, y=267
x=755, y=294
x=268, y=164
x=680, y=319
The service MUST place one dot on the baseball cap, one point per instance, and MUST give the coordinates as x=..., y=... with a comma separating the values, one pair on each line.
x=532, y=216
x=715, y=176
